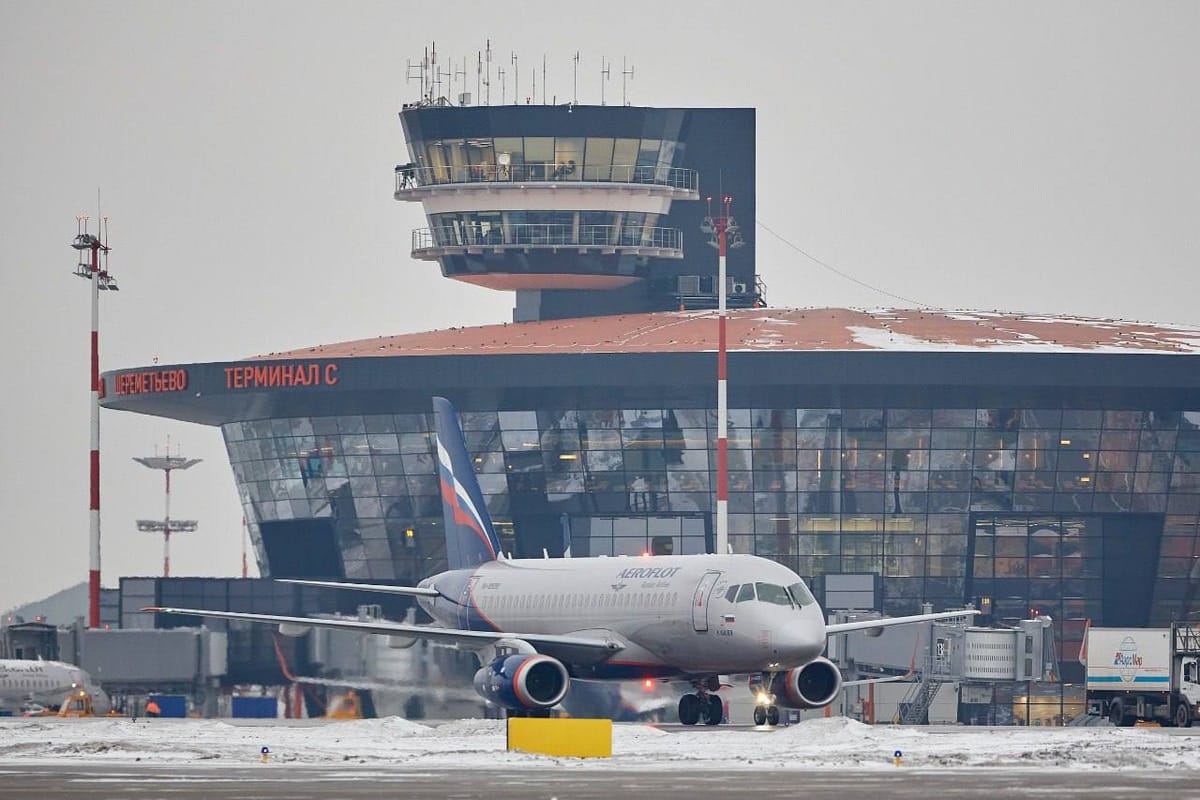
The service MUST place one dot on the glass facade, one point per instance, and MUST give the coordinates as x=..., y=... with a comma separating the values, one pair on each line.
x=545, y=158
x=532, y=227
x=1070, y=512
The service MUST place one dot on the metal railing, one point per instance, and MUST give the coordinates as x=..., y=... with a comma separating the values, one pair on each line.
x=548, y=235
x=410, y=178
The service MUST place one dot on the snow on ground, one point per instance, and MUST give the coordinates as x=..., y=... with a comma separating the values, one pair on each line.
x=815, y=744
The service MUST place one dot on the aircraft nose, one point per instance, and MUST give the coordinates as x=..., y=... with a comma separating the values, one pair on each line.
x=799, y=641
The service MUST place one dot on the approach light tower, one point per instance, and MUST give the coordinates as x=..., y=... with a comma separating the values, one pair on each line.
x=166, y=526
x=723, y=233
x=102, y=280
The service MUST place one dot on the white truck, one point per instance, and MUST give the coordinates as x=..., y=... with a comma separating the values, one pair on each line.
x=1150, y=674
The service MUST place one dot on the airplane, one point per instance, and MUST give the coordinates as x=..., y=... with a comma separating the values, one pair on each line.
x=538, y=624
x=25, y=684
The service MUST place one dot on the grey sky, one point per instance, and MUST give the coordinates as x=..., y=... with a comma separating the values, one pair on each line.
x=1024, y=156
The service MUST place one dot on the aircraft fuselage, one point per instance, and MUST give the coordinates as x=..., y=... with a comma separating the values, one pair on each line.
x=674, y=615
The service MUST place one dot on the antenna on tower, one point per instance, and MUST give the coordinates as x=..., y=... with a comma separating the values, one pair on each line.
x=516, y=80
x=575, y=80
x=625, y=74
x=419, y=72
x=500, y=73
x=543, y=79
x=488, y=83
x=605, y=74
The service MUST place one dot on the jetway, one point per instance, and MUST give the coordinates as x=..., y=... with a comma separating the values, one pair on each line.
x=952, y=664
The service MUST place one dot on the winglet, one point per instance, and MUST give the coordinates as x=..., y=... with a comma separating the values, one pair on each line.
x=470, y=538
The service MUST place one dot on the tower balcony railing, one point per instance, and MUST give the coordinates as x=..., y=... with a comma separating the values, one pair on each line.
x=433, y=243
x=411, y=180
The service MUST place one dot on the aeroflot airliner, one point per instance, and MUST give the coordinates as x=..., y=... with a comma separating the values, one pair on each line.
x=45, y=683
x=538, y=623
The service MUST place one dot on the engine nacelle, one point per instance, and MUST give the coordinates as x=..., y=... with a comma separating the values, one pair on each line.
x=526, y=682
x=815, y=685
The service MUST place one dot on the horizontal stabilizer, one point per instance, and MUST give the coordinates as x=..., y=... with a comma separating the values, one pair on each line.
x=417, y=591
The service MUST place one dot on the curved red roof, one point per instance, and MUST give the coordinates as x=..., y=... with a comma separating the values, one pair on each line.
x=784, y=329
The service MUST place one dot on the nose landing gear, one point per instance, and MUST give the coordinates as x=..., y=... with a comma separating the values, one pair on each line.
x=705, y=703
x=766, y=715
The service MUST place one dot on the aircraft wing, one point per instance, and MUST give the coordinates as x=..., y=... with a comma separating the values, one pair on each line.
x=887, y=622
x=416, y=591
x=573, y=649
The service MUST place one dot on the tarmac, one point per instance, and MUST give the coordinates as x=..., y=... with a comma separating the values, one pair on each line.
x=290, y=782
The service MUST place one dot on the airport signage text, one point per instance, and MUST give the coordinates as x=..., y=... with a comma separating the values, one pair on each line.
x=269, y=376
x=151, y=380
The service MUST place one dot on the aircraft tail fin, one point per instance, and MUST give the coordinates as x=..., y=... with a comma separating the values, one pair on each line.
x=470, y=538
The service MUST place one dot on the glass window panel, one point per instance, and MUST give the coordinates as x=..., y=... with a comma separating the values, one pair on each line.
x=1080, y=418
x=862, y=418
x=515, y=441
x=598, y=159
x=954, y=418
x=568, y=155
x=909, y=418
x=358, y=465
x=648, y=155
x=1041, y=418
x=813, y=417
x=383, y=443
x=910, y=438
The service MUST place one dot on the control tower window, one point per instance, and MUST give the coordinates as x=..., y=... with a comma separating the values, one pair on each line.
x=598, y=160
x=568, y=156
x=625, y=156
x=539, y=154
x=510, y=158
x=647, y=161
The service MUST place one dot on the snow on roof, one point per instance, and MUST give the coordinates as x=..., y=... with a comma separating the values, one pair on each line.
x=784, y=329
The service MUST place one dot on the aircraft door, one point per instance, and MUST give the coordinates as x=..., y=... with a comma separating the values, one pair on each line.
x=700, y=600
x=465, y=617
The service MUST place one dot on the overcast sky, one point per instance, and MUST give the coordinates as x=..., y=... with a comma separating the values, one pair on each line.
x=1025, y=156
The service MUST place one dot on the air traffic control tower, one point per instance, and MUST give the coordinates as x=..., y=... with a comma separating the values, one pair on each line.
x=581, y=210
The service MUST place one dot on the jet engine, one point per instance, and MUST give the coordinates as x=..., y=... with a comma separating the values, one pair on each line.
x=815, y=685
x=523, y=682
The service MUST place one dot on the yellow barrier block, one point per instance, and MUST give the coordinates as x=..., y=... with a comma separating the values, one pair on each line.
x=581, y=738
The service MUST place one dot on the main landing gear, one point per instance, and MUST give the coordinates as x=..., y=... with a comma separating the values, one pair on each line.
x=704, y=704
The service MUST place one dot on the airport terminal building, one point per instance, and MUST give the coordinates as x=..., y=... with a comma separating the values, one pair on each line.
x=1049, y=464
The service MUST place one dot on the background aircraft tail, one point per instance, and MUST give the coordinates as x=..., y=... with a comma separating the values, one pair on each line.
x=470, y=538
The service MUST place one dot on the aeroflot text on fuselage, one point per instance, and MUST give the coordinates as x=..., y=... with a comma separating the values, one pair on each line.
x=648, y=572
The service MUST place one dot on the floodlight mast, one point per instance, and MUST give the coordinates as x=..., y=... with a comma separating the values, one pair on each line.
x=166, y=526
x=722, y=227
x=100, y=280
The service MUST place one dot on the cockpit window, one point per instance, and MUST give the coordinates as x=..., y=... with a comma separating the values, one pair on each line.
x=746, y=593
x=731, y=595
x=801, y=594
x=770, y=593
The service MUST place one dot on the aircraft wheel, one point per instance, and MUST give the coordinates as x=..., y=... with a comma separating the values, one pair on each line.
x=1183, y=715
x=689, y=709
x=760, y=715
x=715, y=711
x=772, y=715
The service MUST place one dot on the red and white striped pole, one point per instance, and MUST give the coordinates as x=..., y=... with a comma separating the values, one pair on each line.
x=100, y=279
x=94, y=503
x=722, y=542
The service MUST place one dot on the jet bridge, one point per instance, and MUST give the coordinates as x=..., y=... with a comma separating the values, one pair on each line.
x=951, y=664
